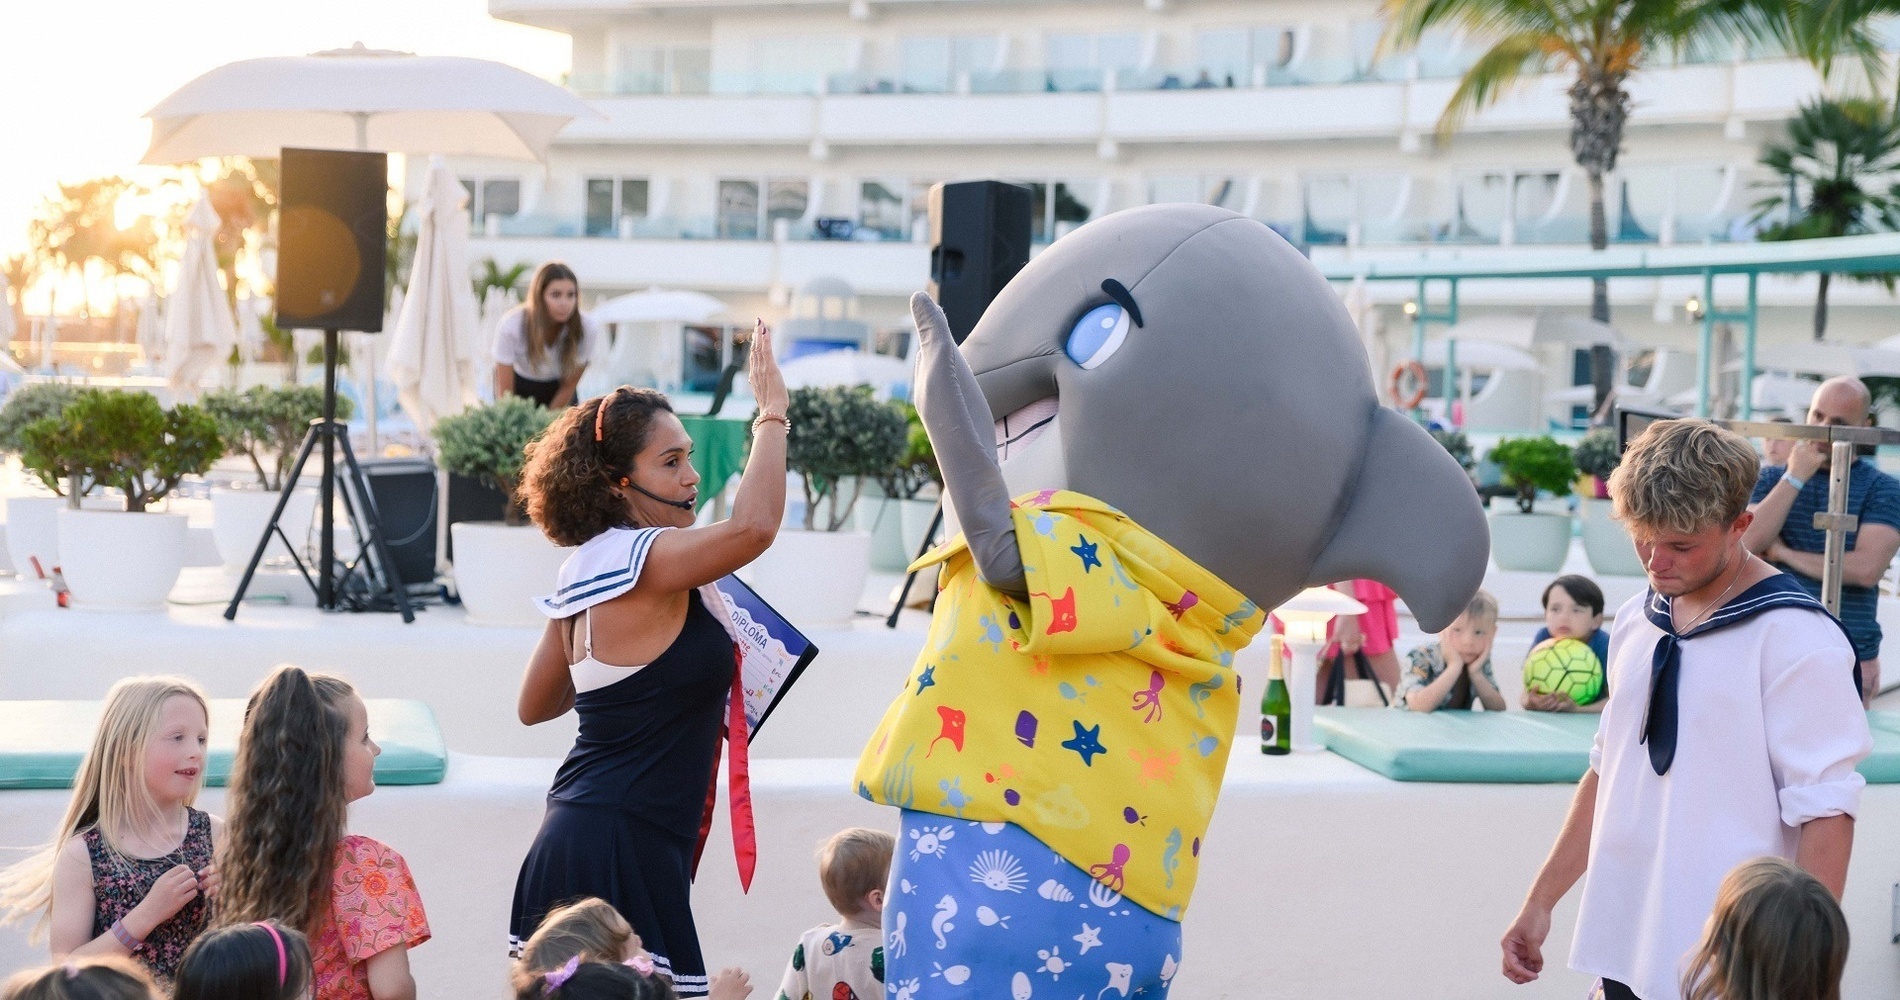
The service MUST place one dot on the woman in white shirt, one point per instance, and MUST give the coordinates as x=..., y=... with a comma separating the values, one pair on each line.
x=542, y=346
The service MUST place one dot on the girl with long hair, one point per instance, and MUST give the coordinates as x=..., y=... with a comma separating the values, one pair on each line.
x=98, y=977
x=542, y=346
x=129, y=869
x=260, y=961
x=1776, y=933
x=636, y=648
x=304, y=756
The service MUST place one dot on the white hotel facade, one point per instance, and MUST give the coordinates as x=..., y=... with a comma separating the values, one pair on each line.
x=745, y=149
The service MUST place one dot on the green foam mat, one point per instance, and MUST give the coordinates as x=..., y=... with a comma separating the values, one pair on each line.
x=42, y=742
x=1509, y=747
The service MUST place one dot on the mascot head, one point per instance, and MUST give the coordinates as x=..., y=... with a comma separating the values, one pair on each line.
x=1188, y=366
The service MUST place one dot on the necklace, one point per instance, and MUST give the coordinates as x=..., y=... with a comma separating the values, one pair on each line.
x=1717, y=604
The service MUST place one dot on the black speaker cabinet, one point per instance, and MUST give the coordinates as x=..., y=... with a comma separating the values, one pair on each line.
x=979, y=239
x=403, y=490
x=332, y=228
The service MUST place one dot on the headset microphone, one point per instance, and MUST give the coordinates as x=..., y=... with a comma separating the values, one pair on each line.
x=685, y=505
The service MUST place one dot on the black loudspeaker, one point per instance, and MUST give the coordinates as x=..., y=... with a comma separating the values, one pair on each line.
x=332, y=228
x=403, y=490
x=979, y=239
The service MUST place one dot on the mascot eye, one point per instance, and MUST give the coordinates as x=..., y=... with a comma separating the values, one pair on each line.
x=1097, y=334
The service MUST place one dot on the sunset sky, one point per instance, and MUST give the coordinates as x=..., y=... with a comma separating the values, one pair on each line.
x=76, y=75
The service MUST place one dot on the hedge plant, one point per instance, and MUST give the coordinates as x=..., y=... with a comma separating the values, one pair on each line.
x=490, y=443
x=1533, y=464
x=269, y=422
x=124, y=440
x=842, y=433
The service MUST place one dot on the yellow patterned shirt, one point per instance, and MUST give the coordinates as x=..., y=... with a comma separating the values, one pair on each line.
x=1097, y=714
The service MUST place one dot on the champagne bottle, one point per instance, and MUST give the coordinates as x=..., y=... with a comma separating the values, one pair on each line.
x=1276, y=708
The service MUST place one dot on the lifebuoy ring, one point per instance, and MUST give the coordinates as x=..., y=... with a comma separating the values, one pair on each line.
x=1396, y=386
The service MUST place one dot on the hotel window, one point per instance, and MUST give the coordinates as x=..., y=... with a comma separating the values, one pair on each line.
x=883, y=209
x=744, y=215
x=611, y=200
x=1077, y=62
x=1222, y=190
x=1051, y=218
x=932, y=64
x=797, y=64
x=499, y=196
x=662, y=69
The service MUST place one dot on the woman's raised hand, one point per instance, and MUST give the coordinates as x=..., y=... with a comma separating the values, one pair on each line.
x=768, y=386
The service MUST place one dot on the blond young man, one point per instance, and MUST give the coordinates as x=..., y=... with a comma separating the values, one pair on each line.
x=1732, y=729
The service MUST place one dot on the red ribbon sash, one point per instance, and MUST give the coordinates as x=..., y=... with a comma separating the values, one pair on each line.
x=745, y=847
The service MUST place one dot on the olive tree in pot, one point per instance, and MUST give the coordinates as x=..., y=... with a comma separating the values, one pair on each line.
x=129, y=559
x=1525, y=539
x=1605, y=540
x=841, y=436
x=265, y=424
x=33, y=522
x=900, y=512
x=499, y=568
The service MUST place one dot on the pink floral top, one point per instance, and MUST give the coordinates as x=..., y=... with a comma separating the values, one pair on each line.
x=374, y=907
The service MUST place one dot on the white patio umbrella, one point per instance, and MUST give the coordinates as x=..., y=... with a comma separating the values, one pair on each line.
x=435, y=354
x=1524, y=332
x=847, y=367
x=360, y=98
x=1830, y=359
x=1481, y=354
x=658, y=305
x=199, y=328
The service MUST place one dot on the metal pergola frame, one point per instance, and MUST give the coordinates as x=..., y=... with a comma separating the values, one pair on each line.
x=1873, y=253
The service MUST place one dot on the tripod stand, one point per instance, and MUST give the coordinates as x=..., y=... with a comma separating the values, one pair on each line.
x=372, y=558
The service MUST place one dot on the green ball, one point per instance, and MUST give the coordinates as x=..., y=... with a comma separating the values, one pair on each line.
x=1564, y=666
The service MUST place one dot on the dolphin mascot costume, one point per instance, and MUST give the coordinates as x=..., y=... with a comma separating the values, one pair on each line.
x=1184, y=413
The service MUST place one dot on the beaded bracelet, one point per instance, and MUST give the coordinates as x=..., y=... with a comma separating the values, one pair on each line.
x=769, y=417
x=124, y=936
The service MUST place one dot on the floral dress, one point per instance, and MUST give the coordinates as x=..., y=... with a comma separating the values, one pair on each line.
x=120, y=883
x=374, y=906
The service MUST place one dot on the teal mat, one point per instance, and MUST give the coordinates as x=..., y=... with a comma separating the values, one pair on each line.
x=1509, y=747
x=42, y=742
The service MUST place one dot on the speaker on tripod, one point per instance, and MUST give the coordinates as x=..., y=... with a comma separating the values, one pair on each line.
x=332, y=228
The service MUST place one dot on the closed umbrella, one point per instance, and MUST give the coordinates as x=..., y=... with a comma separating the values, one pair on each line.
x=199, y=328
x=360, y=98
x=434, y=356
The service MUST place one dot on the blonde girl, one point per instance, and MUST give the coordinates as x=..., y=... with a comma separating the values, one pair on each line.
x=129, y=869
x=304, y=756
x=99, y=977
x=1776, y=933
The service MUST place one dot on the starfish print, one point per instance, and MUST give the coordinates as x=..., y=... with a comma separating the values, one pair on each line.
x=1157, y=766
x=1085, y=550
x=1179, y=608
x=927, y=678
x=1086, y=744
x=1042, y=499
x=1091, y=937
x=1040, y=664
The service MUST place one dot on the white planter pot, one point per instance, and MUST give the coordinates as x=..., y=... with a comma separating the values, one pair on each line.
x=917, y=518
x=119, y=561
x=238, y=518
x=1606, y=542
x=1529, y=542
x=882, y=518
x=812, y=577
x=33, y=532
x=500, y=569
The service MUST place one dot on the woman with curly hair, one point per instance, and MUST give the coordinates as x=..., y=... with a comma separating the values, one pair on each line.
x=304, y=756
x=636, y=646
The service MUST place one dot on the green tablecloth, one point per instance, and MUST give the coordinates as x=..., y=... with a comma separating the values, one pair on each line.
x=719, y=450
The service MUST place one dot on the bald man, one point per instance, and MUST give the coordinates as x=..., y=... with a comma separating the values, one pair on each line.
x=1788, y=496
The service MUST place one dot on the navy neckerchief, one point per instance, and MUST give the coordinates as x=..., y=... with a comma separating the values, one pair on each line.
x=1659, y=724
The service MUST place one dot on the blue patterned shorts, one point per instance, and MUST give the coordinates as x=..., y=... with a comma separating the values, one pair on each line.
x=987, y=910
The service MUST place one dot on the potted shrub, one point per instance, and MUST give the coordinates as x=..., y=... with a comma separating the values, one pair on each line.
x=900, y=512
x=265, y=424
x=1525, y=539
x=129, y=559
x=33, y=522
x=499, y=568
x=1604, y=539
x=840, y=437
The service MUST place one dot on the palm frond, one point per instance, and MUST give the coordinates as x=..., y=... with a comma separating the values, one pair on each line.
x=1501, y=68
x=1407, y=21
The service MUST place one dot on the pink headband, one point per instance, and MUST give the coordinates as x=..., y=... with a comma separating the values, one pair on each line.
x=283, y=961
x=559, y=976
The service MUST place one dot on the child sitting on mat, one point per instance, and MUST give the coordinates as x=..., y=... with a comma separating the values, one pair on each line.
x=1455, y=671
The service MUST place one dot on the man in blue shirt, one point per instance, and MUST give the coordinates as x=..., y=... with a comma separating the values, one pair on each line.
x=1787, y=497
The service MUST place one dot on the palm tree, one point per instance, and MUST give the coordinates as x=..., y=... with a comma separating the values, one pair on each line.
x=1839, y=152
x=79, y=229
x=493, y=275
x=244, y=193
x=1603, y=42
